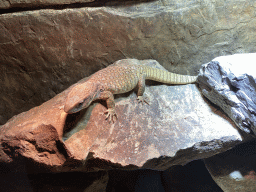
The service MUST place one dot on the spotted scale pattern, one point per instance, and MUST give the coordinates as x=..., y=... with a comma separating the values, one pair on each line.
x=115, y=79
x=123, y=78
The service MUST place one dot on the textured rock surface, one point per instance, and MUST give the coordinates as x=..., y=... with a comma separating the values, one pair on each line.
x=235, y=170
x=43, y=52
x=7, y=4
x=229, y=82
x=178, y=125
x=177, y=118
x=35, y=137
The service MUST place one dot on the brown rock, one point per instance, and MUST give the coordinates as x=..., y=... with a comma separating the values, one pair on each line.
x=42, y=52
x=7, y=4
x=36, y=135
x=177, y=118
x=177, y=127
x=40, y=143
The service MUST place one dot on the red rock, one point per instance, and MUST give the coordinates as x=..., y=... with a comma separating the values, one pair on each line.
x=174, y=121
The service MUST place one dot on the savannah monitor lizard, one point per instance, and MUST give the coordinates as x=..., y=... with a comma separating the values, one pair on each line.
x=120, y=77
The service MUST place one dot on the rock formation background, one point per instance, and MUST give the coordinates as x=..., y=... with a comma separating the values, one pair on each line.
x=46, y=46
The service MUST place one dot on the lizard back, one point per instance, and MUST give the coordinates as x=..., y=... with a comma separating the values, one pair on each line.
x=121, y=78
x=117, y=78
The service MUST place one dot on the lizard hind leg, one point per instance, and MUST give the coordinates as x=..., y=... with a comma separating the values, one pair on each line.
x=141, y=89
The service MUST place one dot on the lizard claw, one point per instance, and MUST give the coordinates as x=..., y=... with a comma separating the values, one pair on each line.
x=110, y=114
x=142, y=100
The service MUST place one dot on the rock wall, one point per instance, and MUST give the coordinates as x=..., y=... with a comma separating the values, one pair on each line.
x=25, y=4
x=44, y=51
x=46, y=46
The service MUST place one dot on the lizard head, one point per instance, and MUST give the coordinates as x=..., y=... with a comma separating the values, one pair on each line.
x=81, y=96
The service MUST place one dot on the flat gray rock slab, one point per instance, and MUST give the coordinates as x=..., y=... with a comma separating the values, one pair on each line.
x=179, y=125
x=229, y=82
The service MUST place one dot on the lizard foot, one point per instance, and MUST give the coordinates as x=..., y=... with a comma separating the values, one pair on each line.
x=110, y=114
x=142, y=100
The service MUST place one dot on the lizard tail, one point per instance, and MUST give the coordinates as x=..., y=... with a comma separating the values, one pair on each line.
x=168, y=77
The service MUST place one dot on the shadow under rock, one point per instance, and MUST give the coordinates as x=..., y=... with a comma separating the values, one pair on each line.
x=192, y=177
x=241, y=158
x=96, y=3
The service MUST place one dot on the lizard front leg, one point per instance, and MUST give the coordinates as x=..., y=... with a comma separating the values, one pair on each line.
x=141, y=89
x=110, y=112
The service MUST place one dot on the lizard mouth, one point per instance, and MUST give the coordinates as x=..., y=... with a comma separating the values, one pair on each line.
x=80, y=106
x=72, y=110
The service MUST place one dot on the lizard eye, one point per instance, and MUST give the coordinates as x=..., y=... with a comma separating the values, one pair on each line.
x=101, y=90
x=80, y=104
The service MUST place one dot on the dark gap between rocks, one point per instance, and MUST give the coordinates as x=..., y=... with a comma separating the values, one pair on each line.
x=96, y=3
